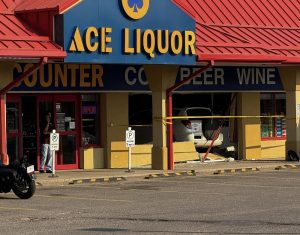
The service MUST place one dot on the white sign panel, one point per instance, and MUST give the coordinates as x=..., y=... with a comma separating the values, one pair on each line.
x=130, y=138
x=72, y=125
x=298, y=109
x=54, y=141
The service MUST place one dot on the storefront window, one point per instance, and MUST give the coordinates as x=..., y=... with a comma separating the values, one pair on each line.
x=90, y=120
x=273, y=104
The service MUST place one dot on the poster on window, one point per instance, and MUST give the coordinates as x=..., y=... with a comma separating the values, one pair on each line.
x=60, y=121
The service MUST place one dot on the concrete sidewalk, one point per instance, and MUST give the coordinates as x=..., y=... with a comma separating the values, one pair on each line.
x=107, y=175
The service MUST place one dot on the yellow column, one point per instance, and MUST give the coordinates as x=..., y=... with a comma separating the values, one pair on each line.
x=160, y=78
x=249, y=133
x=114, y=121
x=290, y=77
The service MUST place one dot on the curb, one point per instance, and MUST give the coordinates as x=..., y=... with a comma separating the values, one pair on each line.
x=249, y=169
x=289, y=166
x=97, y=180
x=171, y=174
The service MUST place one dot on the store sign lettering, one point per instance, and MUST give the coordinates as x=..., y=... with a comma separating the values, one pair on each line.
x=64, y=75
x=217, y=78
x=129, y=32
x=148, y=42
x=244, y=76
x=101, y=78
x=209, y=77
x=257, y=76
x=89, y=109
x=133, y=76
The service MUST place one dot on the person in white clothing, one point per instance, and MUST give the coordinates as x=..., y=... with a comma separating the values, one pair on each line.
x=46, y=153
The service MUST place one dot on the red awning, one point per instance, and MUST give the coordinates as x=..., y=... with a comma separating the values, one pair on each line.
x=18, y=40
x=246, y=30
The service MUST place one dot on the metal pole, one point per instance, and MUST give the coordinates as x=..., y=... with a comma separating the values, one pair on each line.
x=170, y=131
x=129, y=159
x=129, y=154
x=170, y=108
x=53, y=160
x=53, y=163
x=3, y=135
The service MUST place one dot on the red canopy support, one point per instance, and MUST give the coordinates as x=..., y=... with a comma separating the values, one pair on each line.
x=3, y=150
x=170, y=108
x=3, y=91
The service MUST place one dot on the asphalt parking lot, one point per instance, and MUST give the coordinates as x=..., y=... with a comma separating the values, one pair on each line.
x=237, y=203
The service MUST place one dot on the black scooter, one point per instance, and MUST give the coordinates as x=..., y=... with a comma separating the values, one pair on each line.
x=19, y=177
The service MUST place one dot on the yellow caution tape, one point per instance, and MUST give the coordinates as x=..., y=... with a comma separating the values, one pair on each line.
x=168, y=120
x=220, y=117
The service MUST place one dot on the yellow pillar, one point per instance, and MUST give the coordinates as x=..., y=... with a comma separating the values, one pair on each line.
x=160, y=78
x=249, y=133
x=290, y=77
x=114, y=122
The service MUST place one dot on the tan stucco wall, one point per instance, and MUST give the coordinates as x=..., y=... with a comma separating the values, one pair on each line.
x=249, y=140
x=272, y=150
x=91, y=158
x=114, y=122
x=290, y=77
x=141, y=154
x=160, y=78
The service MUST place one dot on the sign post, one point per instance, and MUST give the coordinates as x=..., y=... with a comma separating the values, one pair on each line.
x=54, y=146
x=130, y=142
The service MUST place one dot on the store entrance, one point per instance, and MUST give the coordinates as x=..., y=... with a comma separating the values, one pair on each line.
x=64, y=120
x=25, y=114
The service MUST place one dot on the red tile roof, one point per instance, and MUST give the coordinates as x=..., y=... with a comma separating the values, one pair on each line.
x=7, y=6
x=58, y=5
x=227, y=30
x=246, y=29
x=18, y=40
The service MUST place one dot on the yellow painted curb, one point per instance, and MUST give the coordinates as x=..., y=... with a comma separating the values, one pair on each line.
x=171, y=174
x=97, y=180
x=240, y=170
x=288, y=166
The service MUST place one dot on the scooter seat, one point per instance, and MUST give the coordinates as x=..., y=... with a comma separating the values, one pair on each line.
x=7, y=172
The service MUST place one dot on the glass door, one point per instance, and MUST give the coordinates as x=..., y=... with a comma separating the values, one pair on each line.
x=64, y=109
x=44, y=106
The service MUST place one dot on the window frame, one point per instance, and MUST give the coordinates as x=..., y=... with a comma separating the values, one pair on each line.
x=99, y=145
x=273, y=98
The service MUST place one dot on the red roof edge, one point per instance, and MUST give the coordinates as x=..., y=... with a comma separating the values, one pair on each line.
x=52, y=9
x=183, y=8
x=242, y=58
x=33, y=54
x=63, y=7
x=57, y=6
